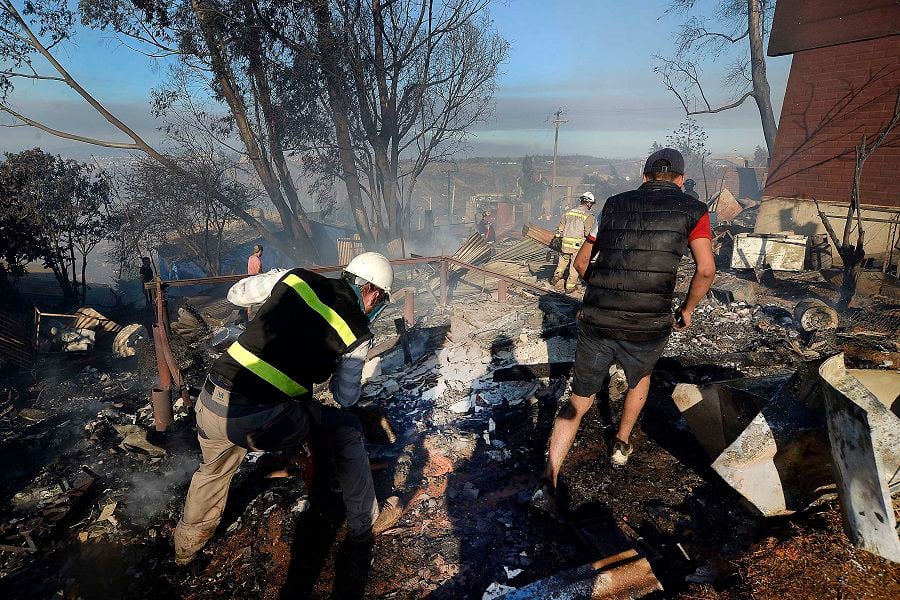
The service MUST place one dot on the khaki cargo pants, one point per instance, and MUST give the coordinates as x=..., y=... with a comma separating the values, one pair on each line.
x=567, y=261
x=282, y=426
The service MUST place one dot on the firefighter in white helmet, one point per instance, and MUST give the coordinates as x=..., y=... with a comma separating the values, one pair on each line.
x=258, y=395
x=573, y=228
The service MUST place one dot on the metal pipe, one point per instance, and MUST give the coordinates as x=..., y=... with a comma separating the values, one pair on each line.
x=403, y=262
x=162, y=408
x=444, y=271
x=162, y=367
x=507, y=278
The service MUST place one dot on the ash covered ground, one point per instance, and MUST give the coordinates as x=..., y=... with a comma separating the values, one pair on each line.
x=91, y=494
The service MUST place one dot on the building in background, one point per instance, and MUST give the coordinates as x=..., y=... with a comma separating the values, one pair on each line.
x=843, y=84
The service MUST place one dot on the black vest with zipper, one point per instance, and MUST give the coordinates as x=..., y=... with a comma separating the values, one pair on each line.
x=641, y=238
x=295, y=339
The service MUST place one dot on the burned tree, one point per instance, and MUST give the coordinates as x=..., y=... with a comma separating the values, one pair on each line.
x=20, y=47
x=157, y=204
x=404, y=82
x=853, y=253
x=746, y=76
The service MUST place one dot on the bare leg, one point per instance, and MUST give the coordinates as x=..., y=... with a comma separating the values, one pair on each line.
x=564, y=429
x=634, y=402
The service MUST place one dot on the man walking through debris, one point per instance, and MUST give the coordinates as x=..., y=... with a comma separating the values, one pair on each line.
x=258, y=394
x=573, y=228
x=630, y=261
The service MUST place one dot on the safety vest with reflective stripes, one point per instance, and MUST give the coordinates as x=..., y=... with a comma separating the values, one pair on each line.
x=574, y=227
x=295, y=339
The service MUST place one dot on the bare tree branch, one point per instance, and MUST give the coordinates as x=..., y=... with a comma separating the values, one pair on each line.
x=66, y=135
x=31, y=76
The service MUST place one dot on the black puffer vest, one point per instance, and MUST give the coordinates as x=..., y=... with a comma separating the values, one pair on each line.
x=295, y=340
x=642, y=237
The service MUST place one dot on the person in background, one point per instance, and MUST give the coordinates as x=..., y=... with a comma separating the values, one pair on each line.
x=254, y=267
x=174, y=274
x=254, y=262
x=146, y=272
x=486, y=227
x=630, y=263
x=689, y=189
x=573, y=229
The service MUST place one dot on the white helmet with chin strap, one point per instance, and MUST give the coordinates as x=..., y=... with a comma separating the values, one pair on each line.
x=588, y=197
x=373, y=268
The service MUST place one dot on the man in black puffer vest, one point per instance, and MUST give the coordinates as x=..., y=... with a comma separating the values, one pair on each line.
x=630, y=262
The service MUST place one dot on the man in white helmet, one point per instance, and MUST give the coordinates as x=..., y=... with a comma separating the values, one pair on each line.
x=573, y=228
x=258, y=395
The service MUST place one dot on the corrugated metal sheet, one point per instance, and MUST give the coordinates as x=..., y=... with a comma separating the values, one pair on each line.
x=348, y=249
x=15, y=340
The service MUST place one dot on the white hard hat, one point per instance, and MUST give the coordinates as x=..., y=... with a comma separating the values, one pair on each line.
x=589, y=196
x=374, y=268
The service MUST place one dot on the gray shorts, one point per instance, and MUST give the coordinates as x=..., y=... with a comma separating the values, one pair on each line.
x=594, y=355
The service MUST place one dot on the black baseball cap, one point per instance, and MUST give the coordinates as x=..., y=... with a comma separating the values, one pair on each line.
x=667, y=160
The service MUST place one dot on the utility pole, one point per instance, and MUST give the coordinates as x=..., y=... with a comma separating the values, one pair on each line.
x=556, y=122
x=451, y=194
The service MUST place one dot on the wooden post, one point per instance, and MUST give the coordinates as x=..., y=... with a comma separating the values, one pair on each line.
x=409, y=308
x=444, y=277
x=502, y=288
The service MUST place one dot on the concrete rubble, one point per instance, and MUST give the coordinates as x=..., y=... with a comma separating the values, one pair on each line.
x=471, y=388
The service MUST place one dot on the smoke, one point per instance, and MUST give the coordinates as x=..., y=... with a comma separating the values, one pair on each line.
x=149, y=494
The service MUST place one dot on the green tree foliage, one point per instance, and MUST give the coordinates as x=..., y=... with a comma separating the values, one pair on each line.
x=53, y=209
x=154, y=204
x=760, y=157
x=359, y=90
x=690, y=139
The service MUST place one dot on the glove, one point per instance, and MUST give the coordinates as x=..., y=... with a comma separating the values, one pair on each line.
x=556, y=243
x=376, y=426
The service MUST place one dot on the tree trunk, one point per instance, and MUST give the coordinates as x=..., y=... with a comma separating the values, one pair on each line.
x=853, y=257
x=327, y=48
x=256, y=155
x=264, y=97
x=761, y=91
x=83, y=279
x=61, y=274
x=387, y=187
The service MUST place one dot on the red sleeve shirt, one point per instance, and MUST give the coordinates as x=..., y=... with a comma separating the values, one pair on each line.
x=254, y=265
x=702, y=229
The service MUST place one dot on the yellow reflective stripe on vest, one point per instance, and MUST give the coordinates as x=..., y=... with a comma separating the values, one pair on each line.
x=579, y=214
x=331, y=317
x=265, y=371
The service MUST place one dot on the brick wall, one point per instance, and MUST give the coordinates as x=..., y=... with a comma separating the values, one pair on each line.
x=834, y=96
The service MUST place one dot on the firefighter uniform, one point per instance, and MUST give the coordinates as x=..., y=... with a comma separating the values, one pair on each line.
x=573, y=228
x=258, y=397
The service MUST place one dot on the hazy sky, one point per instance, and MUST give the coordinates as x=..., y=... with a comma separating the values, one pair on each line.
x=593, y=58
